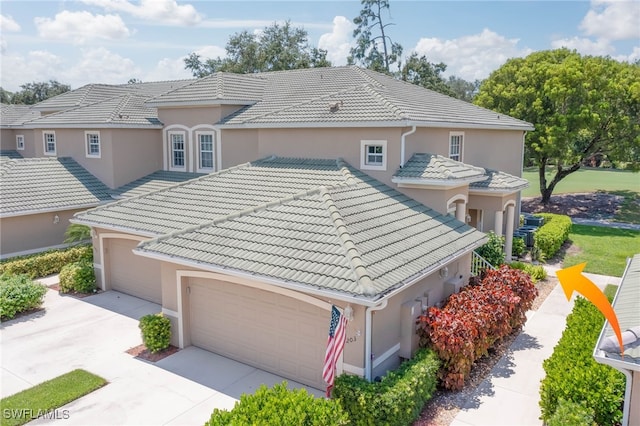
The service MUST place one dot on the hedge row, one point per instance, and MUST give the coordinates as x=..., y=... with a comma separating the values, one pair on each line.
x=397, y=399
x=552, y=234
x=573, y=375
x=474, y=319
x=46, y=263
x=78, y=277
x=18, y=294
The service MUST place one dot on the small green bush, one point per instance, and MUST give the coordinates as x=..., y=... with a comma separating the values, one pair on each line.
x=156, y=332
x=18, y=294
x=281, y=406
x=573, y=375
x=552, y=234
x=518, y=246
x=493, y=250
x=571, y=413
x=536, y=272
x=46, y=263
x=397, y=399
x=78, y=276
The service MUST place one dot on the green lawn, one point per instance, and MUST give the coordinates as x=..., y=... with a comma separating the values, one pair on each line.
x=43, y=399
x=586, y=180
x=604, y=249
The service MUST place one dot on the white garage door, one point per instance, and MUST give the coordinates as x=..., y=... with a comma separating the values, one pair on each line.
x=135, y=275
x=272, y=332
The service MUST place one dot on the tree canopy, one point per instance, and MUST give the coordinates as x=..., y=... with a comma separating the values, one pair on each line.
x=35, y=92
x=581, y=106
x=418, y=70
x=277, y=48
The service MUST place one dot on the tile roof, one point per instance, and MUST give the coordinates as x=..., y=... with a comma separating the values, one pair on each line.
x=15, y=115
x=32, y=185
x=9, y=154
x=433, y=168
x=152, y=182
x=499, y=181
x=319, y=223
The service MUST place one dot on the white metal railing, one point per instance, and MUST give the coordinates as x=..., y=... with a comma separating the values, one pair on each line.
x=479, y=264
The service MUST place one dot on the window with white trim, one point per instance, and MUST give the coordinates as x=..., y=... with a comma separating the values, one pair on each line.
x=205, y=151
x=178, y=158
x=20, y=142
x=92, y=144
x=456, y=140
x=49, y=141
x=373, y=155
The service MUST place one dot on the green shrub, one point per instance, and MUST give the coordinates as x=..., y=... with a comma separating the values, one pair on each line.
x=571, y=413
x=552, y=234
x=78, y=276
x=397, y=399
x=493, y=250
x=156, y=332
x=536, y=272
x=518, y=247
x=46, y=263
x=77, y=233
x=573, y=375
x=18, y=294
x=281, y=406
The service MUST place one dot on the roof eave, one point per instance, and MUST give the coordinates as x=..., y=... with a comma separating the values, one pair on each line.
x=92, y=126
x=374, y=123
x=122, y=229
x=50, y=210
x=207, y=102
x=436, y=182
x=501, y=191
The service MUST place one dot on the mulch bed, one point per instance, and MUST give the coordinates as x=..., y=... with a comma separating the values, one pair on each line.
x=595, y=205
x=141, y=352
x=75, y=294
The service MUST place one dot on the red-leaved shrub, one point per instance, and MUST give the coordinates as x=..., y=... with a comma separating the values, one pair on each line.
x=474, y=319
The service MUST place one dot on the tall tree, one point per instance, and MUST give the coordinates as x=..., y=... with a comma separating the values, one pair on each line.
x=580, y=106
x=5, y=96
x=463, y=89
x=35, y=92
x=418, y=70
x=277, y=48
x=377, y=52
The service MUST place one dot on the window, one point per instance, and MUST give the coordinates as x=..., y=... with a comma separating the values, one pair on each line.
x=455, y=145
x=49, y=140
x=20, y=142
x=205, y=148
x=92, y=141
x=177, y=150
x=373, y=155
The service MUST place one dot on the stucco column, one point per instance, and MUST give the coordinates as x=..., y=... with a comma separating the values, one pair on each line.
x=508, y=238
x=497, y=223
x=461, y=211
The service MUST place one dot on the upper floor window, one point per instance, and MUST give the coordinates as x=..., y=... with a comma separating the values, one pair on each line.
x=49, y=141
x=205, y=151
x=455, y=145
x=373, y=155
x=177, y=150
x=20, y=142
x=92, y=144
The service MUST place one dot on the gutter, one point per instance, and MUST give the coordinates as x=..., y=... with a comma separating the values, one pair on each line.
x=368, y=341
x=403, y=142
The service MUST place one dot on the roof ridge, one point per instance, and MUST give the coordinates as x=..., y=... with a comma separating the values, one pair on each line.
x=386, y=101
x=366, y=76
x=117, y=111
x=353, y=254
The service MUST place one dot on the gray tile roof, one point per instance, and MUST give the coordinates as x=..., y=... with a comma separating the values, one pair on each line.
x=152, y=182
x=499, y=181
x=319, y=223
x=433, y=168
x=15, y=115
x=9, y=154
x=32, y=185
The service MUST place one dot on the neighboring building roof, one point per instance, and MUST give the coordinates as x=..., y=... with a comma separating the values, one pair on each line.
x=15, y=115
x=316, y=223
x=498, y=181
x=37, y=185
x=433, y=169
x=9, y=154
x=152, y=182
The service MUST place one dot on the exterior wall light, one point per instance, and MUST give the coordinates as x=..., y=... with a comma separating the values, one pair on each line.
x=348, y=313
x=444, y=272
x=56, y=219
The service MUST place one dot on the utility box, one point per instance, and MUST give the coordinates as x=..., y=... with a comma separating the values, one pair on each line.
x=453, y=285
x=409, y=313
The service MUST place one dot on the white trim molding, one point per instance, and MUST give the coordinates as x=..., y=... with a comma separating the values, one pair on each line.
x=44, y=143
x=111, y=236
x=87, y=144
x=460, y=153
x=364, y=154
x=20, y=142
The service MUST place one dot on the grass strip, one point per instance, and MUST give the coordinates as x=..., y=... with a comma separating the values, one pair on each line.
x=42, y=400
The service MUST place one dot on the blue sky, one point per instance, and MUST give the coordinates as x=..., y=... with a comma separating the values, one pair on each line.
x=111, y=41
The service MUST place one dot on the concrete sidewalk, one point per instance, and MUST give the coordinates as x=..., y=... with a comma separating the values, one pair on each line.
x=510, y=395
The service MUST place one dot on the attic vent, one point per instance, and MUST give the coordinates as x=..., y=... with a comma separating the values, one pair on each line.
x=333, y=107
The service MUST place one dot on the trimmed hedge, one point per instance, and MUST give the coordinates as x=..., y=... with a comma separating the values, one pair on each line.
x=573, y=375
x=397, y=399
x=156, y=332
x=552, y=234
x=281, y=406
x=474, y=319
x=46, y=263
x=18, y=294
x=571, y=413
x=78, y=276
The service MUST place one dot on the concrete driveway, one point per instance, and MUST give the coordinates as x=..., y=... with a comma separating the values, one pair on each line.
x=93, y=333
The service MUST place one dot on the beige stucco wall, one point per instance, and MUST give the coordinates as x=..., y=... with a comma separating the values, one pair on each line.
x=33, y=232
x=437, y=199
x=7, y=139
x=634, y=408
x=239, y=146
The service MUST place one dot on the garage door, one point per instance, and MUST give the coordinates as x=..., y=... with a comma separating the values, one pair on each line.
x=135, y=275
x=272, y=332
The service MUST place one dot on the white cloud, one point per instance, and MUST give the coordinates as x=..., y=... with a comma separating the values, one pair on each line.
x=168, y=69
x=339, y=41
x=99, y=65
x=161, y=11
x=80, y=27
x=585, y=46
x=471, y=57
x=37, y=65
x=631, y=57
x=210, y=52
x=7, y=24
x=613, y=20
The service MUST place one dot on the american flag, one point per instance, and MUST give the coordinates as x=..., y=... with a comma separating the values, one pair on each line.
x=335, y=345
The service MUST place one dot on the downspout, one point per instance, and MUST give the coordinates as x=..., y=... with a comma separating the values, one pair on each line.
x=218, y=148
x=628, y=380
x=402, y=144
x=367, y=336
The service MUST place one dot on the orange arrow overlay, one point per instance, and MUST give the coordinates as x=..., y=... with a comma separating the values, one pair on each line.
x=572, y=280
